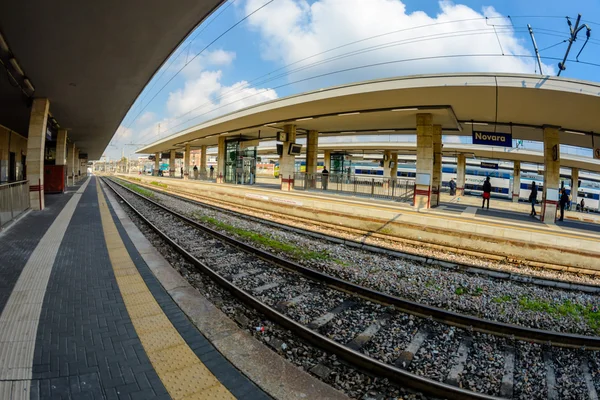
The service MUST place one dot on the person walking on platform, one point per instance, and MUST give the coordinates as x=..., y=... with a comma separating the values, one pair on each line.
x=181, y=172
x=564, y=200
x=487, y=192
x=212, y=171
x=582, y=205
x=195, y=172
x=452, y=186
x=533, y=199
x=324, y=178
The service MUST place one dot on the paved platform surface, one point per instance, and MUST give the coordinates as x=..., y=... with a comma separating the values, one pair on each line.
x=83, y=317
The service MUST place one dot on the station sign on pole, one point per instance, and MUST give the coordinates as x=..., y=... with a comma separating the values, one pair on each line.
x=492, y=138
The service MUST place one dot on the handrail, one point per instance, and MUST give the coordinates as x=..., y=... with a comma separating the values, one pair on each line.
x=13, y=183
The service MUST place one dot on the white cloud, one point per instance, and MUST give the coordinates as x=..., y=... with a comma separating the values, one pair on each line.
x=293, y=30
x=146, y=118
x=207, y=59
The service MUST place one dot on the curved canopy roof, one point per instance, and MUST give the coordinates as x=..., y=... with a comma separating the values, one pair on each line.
x=519, y=103
x=90, y=58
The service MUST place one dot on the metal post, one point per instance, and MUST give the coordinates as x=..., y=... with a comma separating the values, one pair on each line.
x=537, y=53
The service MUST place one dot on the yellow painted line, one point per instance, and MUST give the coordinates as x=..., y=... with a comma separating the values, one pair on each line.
x=179, y=369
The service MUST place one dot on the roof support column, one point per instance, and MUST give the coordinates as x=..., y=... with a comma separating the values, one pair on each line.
x=461, y=172
x=424, y=161
x=71, y=163
x=574, y=186
x=221, y=154
x=186, y=162
x=387, y=158
x=516, y=191
x=394, y=168
x=156, y=164
x=312, y=145
x=77, y=161
x=61, y=147
x=36, y=143
x=327, y=159
x=436, y=176
x=550, y=194
x=172, y=164
x=203, y=162
x=287, y=162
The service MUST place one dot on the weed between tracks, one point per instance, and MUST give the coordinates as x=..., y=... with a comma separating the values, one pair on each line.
x=138, y=189
x=268, y=241
x=590, y=313
x=162, y=185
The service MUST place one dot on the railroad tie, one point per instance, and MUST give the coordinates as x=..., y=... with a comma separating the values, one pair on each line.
x=284, y=305
x=265, y=287
x=550, y=375
x=508, y=379
x=244, y=274
x=461, y=358
x=328, y=316
x=587, y=376
x=403, y=361
x=359, y=341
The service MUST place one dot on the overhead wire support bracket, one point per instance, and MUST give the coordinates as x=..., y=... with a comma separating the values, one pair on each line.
x=574, y=30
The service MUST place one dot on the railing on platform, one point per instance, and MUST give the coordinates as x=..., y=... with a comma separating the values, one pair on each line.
x=14, y=200
x=381, y=188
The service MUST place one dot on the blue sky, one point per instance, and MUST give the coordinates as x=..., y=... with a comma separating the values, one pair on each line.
x=200, y=83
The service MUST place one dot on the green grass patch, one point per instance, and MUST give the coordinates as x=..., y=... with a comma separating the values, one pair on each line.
x=265, y=240
x=502, y=299
x=460, y=290
x=159, y=184
x=137, y=189
x=591, y=314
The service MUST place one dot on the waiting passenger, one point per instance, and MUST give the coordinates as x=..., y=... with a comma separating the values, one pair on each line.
x=533, y=198
x=195, y=172
x=582, y=205
x=324, y=178
x=181, y=172
x=452, y=186
x=487, y=192
x=564, y=200
x=212, y=171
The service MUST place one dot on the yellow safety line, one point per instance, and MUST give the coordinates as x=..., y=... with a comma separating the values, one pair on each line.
x=181, y=372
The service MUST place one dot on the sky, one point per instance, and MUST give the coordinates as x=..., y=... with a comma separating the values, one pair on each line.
x=283, y=47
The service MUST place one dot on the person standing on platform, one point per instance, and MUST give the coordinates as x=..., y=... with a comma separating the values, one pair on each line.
x=324, y=178
x=582, y=205
x=195, y=172
x=452, y=186
x=533, y=199
x=181, y=172
x=564, y=200
x=212, y=171
x=487, y=192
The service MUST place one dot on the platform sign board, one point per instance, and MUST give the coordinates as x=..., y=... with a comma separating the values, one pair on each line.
x=492, y=138
x=489, y=165
x=423, y=179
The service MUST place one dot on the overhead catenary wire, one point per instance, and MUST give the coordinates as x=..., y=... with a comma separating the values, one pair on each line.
x=197, y=54
x=233, y=91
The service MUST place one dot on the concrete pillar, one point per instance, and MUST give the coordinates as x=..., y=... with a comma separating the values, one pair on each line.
x=156, y=164
x=312, y=146
x=394, y=169
x=574, y=187
x=436, y=177
x=387, y=157
x=77, y=162
x=550, y=195
x=203, y=162
x=424, y=161
x=287, y=162
x=172, y=163
x=71, y=162
x=186, y=162
x=327, y=159
x=36, y=143
x=61, y=147
x=461, y=173
x=221, y=154
x=516, y=191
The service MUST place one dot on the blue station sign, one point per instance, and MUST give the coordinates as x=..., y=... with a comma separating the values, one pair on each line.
x=489, y=165
x=492, y=138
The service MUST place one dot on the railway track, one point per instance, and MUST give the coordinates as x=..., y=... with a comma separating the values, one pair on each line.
x=497, y=273
x=433, y=351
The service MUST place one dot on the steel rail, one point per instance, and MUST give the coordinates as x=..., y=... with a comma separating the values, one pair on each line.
x=452, y=265
x=363, y=362
x=444, y=316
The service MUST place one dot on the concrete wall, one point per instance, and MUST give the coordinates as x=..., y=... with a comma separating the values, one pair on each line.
x=11, y=142
x=490, y=238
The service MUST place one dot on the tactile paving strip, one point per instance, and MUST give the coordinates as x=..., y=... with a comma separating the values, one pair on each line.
x=179, y=369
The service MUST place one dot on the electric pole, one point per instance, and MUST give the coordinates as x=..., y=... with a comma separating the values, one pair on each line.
x=574, y=31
